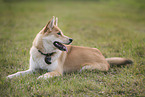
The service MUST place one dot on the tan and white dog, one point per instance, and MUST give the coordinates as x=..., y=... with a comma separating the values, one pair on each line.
x=50, y=51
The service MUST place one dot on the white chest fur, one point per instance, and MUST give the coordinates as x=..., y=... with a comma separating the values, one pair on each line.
x=37, y=60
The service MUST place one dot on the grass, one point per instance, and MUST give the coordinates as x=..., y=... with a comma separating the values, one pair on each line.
x=116, y=28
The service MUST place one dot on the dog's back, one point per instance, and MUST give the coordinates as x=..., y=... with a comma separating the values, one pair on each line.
x=79, y=57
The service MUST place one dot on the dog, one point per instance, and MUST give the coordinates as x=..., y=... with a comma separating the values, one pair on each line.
x=51, y=51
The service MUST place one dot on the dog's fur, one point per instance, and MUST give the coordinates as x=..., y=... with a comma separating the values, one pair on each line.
x=75, y=59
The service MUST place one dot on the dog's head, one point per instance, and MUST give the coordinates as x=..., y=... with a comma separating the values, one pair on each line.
x=51, y=35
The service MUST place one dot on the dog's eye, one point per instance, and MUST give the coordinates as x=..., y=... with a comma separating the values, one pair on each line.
x=59, y=33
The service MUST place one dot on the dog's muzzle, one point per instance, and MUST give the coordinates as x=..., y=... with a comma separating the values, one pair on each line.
x=70, y=41
x=60, y=46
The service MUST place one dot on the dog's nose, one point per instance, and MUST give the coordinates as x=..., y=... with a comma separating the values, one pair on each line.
x=70, y=40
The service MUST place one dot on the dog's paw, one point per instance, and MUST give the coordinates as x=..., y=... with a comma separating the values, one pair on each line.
x=44, y=76
x=9, y=76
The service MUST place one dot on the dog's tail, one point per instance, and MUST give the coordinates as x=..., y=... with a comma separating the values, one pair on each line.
x=118, y=61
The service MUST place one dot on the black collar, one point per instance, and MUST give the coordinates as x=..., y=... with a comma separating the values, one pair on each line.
x=48, y=54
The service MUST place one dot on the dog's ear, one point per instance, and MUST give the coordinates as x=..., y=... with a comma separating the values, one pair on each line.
x=56, y=21
x=50, y=25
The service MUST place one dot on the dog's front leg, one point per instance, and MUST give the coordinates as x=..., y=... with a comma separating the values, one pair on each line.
x=29, y=71
x=56, y=72
x=50, y=74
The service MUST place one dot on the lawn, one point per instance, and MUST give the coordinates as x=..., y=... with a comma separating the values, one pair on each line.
x=115, y=27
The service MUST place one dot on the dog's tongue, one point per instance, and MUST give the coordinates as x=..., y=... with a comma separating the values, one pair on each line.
x=60, y=46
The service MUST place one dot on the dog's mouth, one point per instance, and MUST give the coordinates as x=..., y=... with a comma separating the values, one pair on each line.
x=60, y=46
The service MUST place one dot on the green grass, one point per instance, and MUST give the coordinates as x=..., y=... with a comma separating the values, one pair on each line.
x=116, y=28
